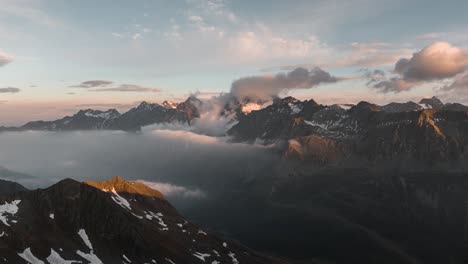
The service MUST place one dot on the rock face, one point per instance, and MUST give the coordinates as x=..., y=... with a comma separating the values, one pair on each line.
x=146, y=114
x=433, y=102
x=368, y=131
x=402, y=107
x=106, y=222
x=357, y=216
x=8, y=187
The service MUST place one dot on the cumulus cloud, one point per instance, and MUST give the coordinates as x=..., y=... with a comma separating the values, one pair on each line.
x=266, y=87
x=128, y=88
x=437, y=61
x=10, y=90
x=92, y=84
x=172, y=190
x=5, y=59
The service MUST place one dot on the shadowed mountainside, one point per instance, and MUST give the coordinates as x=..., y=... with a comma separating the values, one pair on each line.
x=115, y=221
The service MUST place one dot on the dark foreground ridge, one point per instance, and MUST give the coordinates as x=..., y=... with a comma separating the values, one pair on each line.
x=115, y=221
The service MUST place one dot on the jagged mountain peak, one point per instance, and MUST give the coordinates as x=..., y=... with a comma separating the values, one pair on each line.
x=288, y=99
x=120, y=185
x=402, y=107
x=366, y=106
x=73, y=222
x=144, y=106
x=111, y=113
x=432, y=102
x=170, y=104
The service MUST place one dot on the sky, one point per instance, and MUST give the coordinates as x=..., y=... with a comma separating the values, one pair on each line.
x=60, y=56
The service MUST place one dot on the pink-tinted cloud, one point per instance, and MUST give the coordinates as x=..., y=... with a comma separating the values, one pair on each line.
x=437, y=61
x=5, y=59
x=128, y=88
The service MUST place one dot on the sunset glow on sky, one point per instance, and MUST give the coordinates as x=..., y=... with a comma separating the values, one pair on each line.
x=57, y=57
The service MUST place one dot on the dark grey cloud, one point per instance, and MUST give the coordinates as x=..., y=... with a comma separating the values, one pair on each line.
x=93, y=84
x=437, y=61
x=128, y=88
x=10, y=90
x=266, y=87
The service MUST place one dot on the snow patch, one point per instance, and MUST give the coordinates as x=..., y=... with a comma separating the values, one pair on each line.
x=8, y=208
x=126, y=259
x=201, y=256
x=233, y=257
x=55, y=258
x=93, y=259
x=29, y=257
x=150, y=216
x=295, y=108
x=85, y=238
x=120, y=200
x=170, y=261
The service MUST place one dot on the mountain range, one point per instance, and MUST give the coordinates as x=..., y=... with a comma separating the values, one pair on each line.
x=114, y=221
x=428, y=130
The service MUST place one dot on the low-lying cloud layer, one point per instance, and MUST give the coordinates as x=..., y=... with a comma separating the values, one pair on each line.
x=172, y=190
x=181, y=164
x=264, y=88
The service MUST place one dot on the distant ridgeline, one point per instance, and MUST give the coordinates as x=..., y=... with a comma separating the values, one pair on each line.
x=429, y=130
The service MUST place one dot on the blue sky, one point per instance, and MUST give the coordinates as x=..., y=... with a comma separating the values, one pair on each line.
x=184, y=46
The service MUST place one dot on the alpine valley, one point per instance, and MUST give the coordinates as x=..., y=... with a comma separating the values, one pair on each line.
x=361, y=183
